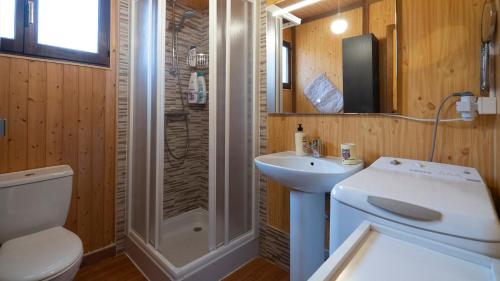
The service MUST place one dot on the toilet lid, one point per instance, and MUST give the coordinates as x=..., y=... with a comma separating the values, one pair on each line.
x=39, y=255
x=376, y=252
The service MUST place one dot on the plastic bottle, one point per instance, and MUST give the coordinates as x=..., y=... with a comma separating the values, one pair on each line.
x=193, y=89
x=202, y=88
x=300, y=141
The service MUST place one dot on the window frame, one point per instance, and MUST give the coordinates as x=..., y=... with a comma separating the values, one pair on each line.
x=26, y=38
x=288, y=46
x=15, y=45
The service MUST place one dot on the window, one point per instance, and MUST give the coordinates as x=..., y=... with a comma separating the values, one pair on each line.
x=8, y=13
x=286, y=59
x=74, y=30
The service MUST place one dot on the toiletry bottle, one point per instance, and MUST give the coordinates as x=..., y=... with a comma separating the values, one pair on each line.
x=202, y=88
x=193, y=88
x=300, y=141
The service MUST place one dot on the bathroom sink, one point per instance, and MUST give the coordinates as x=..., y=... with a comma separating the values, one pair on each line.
x=305, y=173
x=309, y=179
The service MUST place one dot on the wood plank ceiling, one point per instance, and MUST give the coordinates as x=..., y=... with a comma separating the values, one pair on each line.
x=321, y=8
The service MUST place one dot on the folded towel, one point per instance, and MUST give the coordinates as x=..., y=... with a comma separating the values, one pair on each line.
x=325, y=97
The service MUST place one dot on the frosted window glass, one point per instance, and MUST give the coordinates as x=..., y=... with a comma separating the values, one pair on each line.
x=70, y=24
x=7, y=18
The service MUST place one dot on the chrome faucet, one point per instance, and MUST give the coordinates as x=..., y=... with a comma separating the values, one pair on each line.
x=315, y=147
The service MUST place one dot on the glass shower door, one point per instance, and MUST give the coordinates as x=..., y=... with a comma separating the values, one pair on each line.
x=143, y=156
x=232, y=140
x=240, y=104
x=234, y=122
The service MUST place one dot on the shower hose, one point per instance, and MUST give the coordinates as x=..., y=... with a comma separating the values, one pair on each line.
x=186, y=120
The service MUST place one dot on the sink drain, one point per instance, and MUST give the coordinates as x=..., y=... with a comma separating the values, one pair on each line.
x=197, y=229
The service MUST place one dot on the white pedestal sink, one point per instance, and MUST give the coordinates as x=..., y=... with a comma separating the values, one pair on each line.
x=308, y=179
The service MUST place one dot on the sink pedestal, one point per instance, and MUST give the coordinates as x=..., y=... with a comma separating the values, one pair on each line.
x=311, y=178
x=307, y=233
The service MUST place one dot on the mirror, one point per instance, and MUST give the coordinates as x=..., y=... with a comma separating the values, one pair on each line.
x=332, y=56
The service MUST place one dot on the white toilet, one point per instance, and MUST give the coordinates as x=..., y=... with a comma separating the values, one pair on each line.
x=403, y=219
x=33, y=209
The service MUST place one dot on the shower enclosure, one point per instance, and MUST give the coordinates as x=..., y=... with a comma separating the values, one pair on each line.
x=192, y=188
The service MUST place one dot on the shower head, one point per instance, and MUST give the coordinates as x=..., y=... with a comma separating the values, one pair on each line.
x=187, y=15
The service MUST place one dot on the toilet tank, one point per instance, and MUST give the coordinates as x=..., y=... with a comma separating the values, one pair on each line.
x=34, y=200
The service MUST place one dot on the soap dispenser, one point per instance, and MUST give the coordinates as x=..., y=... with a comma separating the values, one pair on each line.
x=300, y=141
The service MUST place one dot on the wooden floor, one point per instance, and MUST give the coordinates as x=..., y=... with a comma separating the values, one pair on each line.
x=121, y=268
x=259, y=269
x=118, y=268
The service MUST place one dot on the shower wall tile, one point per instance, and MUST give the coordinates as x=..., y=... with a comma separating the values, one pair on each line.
x=122, y=125
x=273, y=243
x=186, y=181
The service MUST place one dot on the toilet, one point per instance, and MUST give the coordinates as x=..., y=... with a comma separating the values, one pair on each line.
x=403, y=219
x=33, y=209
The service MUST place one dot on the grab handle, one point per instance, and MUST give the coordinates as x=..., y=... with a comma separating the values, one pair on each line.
x=404, y=209
x=31, y=12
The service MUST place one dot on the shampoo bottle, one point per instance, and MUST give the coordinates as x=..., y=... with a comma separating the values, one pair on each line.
x=202, y=88
x=300, y=141
x=193, y=88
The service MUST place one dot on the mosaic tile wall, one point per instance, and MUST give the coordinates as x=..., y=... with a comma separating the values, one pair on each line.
x=273, y=243
x=122, y=125
x=186, y=181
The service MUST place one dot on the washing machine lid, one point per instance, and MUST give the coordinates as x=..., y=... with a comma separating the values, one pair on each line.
x=40, y=255
x=447, y=199
x=375, y=252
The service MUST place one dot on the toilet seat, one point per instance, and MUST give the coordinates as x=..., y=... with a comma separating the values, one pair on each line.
x=376, y=252
x=41, y=255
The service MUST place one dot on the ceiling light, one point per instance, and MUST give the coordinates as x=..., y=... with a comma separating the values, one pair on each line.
x=294, y=7
x=339, y=26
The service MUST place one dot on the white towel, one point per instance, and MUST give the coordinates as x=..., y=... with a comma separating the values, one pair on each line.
x=325, y=97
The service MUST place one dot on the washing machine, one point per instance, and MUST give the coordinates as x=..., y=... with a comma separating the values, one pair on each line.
x=403, y=219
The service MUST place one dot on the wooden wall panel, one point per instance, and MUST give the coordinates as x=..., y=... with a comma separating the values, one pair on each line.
x=98, y=147
x=18, y=115
x=318, y=50
x=65, y=114
x=70, y=142
x=4, y=110
x=440, y=47
x=85, y=154
x=37, y=103
x=110, y=104
x=54, y=136
x=381, y=15
x=469, y=144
